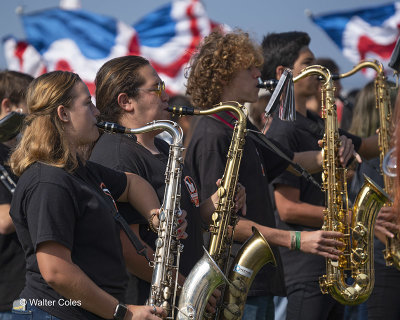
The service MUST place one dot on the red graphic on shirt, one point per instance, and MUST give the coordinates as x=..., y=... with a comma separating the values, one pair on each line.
x=191, y=187
x=108, y=193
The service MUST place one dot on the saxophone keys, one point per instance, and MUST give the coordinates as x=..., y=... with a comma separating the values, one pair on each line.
x=166, y=295
x=232, y=312
x=362, y=280
x=159, y=243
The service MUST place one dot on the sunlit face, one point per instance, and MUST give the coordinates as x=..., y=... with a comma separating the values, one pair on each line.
x=81, y=115
x=151, y=104
x=308, y=86
x=243, y=87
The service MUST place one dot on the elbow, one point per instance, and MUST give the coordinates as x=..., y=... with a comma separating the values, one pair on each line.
x=6, y=227
x=285, y=214
x=53, y=277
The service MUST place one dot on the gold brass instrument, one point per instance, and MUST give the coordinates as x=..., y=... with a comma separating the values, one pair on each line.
x=350, y=279
x=209, y=272
x=382, y=94
x=164, y=285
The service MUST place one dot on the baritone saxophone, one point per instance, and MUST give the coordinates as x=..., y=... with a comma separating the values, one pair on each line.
x=382, y=96
x=210, y=272
x=350, y=279
x=164, y=283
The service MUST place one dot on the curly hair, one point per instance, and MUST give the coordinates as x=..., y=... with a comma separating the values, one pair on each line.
x=42, y=136
x=218, y=59
x=119, y=75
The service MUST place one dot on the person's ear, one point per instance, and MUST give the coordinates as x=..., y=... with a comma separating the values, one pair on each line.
x=6, y=107
x=62, y=113
x=279, y=71
x=126, y=102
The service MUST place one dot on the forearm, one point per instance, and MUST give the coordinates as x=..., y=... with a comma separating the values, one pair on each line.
x=275, y=237
x=135, y=263
x=6, y=224
x=369, y=147
x=140, y=194
x=309, y=160
x=72, y=283
x=302, y=213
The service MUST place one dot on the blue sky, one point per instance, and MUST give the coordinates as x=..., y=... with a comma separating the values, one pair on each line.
x=258, y=17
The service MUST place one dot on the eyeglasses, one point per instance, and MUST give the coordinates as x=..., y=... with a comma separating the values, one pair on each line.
x=159, y=90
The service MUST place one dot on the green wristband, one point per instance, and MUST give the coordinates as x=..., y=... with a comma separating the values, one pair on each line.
x=298, y=240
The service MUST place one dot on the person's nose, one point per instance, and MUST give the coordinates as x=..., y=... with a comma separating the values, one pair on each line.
x=165, y=96
x=96, y=111
x=256, y=73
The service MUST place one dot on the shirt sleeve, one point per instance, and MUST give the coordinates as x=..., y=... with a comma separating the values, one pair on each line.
x=51, y=213
x=115, y=180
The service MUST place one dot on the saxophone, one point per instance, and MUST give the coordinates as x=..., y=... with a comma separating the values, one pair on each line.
x=164, y=285
x=392, y=251
x=350, y=279
x=210, y=270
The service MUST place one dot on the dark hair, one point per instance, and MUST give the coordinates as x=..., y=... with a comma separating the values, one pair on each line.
x=328, y=63
x=13, y=85
x=119, y=75
x=281, y=49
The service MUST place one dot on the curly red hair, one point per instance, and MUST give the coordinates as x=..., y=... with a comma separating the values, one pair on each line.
x=218, y=59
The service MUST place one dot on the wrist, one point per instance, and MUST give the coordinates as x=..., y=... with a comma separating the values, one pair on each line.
x=295, y=240
x=120, y=311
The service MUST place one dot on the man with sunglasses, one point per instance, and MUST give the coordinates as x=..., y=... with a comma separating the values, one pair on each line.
x=130, y=92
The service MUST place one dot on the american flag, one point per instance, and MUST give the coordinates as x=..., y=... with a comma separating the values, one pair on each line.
x=81, y=41
x=365, y=33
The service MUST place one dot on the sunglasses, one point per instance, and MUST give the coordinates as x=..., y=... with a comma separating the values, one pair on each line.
x=159, y=90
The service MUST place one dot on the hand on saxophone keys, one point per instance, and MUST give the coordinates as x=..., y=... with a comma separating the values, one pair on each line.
x=346, y=152
x=145, y=313
x=154, y=222
x=211, y=306
x=240, y=198
x=386, y=223
x=323, y=243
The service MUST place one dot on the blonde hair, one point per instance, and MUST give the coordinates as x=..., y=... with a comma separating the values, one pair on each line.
x=42, y=135
x=218, y=59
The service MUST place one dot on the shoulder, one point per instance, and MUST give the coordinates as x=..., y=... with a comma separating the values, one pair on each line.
x=114, y=150
x=43, y=174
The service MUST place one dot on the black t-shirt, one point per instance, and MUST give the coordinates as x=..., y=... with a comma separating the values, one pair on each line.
x=206, y=160
x=298, y=136
x=75, y=210
x=12, y=260
x=123, y=153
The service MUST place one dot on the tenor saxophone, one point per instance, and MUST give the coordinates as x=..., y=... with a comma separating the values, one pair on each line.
x=382, y=95
x=211, y=270
x=350, y=279
x=164, y=285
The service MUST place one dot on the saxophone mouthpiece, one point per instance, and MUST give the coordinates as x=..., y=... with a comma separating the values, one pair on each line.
x=269, y=85
x=111, y=127
x=181, y=110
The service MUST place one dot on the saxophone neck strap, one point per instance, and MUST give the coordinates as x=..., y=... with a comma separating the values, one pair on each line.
x=140, y=248
x=261, y=138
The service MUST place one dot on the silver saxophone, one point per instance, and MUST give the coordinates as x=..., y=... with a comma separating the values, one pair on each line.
x=164, y=283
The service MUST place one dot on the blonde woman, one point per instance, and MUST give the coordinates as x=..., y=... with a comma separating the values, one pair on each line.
x=63, y=210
